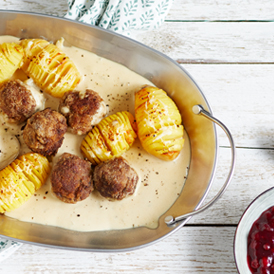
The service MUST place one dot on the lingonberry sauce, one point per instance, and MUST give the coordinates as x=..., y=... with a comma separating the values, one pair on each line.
x=260, y=248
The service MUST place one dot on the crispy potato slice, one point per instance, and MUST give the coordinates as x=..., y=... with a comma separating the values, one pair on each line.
x=21, y=179
x=110, y=138
x=158, y=123
x=11, y=56
x=51, y=69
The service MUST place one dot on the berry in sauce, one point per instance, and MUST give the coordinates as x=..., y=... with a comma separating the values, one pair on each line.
x=260, y=248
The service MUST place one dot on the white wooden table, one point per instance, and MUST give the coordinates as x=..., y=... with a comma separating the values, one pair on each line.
x=228, y=48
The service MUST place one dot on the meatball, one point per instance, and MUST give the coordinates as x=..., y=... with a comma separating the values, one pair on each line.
x=83, y=110
x=115, y=179
x=71, y=179
x=16, y=101
x=44, y=132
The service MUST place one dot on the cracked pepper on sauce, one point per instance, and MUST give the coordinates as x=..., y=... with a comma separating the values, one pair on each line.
x=160, y=182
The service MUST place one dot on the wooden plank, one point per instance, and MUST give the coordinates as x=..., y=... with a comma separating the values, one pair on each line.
x=187, y=10
x=52, y=7
x=214, y=42
x=253, y=175
x=192, y=41
x=241, y=97
x=221, y=10
x=189, y=250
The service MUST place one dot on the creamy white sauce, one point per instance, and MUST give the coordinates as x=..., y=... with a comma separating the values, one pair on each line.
x=37, y=94
x=9, y=149
x=160, y=182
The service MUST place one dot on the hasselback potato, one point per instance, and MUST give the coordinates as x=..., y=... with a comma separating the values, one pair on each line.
x=11, y=56
x=158, y=123
x=31, y=48
x=110, y=138
x=51, y=69
x=20, y=179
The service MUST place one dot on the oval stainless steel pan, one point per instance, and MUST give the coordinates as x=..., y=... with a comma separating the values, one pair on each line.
x=164, y=73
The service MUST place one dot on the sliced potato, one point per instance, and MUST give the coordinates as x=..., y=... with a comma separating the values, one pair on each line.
x=158, y=123
x=11, y=56
x=110, y=138
x=21, y=179
x=31, y=48
x=51, y=69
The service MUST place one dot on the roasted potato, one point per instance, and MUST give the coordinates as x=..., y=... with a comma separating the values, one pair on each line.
x=110, y=138
x=31, y=48
x=158, y=123
x=20, y=179
x=51, y=69
x=11, y=56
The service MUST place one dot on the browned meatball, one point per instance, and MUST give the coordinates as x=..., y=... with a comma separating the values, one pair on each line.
x=44, y=131
x=71, y=179
x=83, y=110
x=16, y=101
x=115, y=179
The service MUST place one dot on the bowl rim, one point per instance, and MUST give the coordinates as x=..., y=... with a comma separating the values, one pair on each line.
x=243, y=218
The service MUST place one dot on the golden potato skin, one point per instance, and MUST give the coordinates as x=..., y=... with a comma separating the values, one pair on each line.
x=158, y=123
x=110, y=138
x=51, y=69
x=20, y=179
x=31, y=48
x=11, y=56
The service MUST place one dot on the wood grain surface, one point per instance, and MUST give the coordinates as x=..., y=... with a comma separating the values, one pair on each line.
x=221, y=10
x=215, y=42
x=185, y=252
x=228, y=48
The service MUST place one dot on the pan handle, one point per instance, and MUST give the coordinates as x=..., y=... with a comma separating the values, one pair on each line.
x=199, y=110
